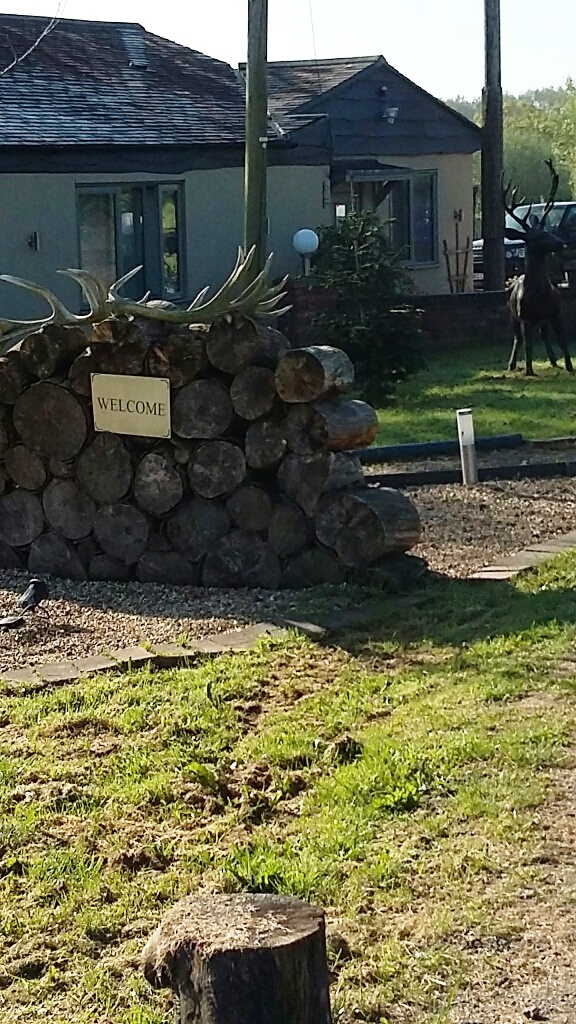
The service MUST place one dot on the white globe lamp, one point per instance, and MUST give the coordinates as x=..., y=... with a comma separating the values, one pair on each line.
x=306, y=243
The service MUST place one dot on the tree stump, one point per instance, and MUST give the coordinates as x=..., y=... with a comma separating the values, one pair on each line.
x=122, y=532
x=21, y=518
x=218, y=468
x=195, y=527
x=265, y=444
x=68, y=510
x=14, y=377
x=104, y=469
x=250, y=508
x=234, y=344
x=314, y=567
x=202, y=409
x=179, y=357
x=307, y=374
x=241, y=559
x=335, y=426
x=51, y=419
x=289, y=530
x=51, y=555
x=305, y=478
x=167, y=567
x=51, y=349
x=243, y=959
x=158, y=485
x=79, y=374
x=25, y=468
x=253, y=392
x=362, y=527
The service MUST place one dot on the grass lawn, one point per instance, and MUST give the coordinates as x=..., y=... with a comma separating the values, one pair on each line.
x=118, y=796
x=424, y=408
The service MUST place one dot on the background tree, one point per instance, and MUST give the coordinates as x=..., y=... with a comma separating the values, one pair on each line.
x=537, y=124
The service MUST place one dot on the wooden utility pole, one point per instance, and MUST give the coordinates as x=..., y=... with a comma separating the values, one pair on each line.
x=493, y=152
x=256, y=162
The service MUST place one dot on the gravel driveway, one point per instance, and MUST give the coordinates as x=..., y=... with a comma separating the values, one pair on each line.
x=464, y=528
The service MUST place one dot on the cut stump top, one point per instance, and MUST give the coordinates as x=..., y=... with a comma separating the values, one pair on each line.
x=208, y=925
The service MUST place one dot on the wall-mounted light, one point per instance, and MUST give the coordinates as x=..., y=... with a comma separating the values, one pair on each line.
x=391, y=113
x=383, y=91
x=306, y=243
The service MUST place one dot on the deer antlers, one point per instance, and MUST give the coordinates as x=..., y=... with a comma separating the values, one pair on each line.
x=512, y=205
x=238, y=295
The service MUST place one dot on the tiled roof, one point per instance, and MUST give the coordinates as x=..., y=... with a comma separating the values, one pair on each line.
x=104, y=83
x=292, y=83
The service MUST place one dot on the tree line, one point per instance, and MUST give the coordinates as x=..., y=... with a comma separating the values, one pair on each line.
x=537, y=124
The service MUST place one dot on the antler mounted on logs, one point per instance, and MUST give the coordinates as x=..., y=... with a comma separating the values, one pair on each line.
x=237, y=296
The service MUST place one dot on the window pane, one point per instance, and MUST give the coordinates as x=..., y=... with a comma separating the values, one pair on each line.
x=132, y=239
x=96, y=213
x=423, y=219
x=394, y=209
x=171, y=243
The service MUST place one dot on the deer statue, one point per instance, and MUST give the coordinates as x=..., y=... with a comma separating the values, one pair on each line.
x=533, y=300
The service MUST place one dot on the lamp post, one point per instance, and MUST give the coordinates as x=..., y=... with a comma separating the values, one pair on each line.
x=306, y=243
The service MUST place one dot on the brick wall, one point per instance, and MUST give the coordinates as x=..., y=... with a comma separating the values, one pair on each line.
x=448, y=321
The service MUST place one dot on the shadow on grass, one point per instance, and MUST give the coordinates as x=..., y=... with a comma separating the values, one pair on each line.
x=444, y=611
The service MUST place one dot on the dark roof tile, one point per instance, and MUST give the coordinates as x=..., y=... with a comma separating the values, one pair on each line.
x=292, y=83
x=104, y=83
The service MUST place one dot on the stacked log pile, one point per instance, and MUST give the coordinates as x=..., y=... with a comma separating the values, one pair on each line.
x=257, y=486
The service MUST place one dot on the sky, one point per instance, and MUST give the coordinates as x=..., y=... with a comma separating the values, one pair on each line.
x=437, y=43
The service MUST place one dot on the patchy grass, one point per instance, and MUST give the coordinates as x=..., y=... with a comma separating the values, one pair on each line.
x=424, y=407
x=394, y=778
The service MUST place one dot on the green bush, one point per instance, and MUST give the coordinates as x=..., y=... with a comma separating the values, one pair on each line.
x=370, y=322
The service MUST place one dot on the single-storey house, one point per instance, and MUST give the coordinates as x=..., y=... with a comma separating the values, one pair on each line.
x=394, y=148
x=119, y=147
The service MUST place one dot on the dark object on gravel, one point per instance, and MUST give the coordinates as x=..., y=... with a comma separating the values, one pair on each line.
x=11, y=622
x=34, y=595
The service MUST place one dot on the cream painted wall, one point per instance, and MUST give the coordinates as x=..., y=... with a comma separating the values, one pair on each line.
x=46, y=203
x=214, y=213
x=455, y=192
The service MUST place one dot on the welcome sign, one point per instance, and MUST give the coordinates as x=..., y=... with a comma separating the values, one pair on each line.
x=131, y=405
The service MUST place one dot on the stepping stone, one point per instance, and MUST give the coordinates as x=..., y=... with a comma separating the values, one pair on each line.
x=168, y=655
x=132, y=657
x=20, y=675
x=58, y=672
x=244, y=639
x=94, y=664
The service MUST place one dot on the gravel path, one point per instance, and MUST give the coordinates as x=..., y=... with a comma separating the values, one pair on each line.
x=464, y=529
x=92, y=618
x=468, y=527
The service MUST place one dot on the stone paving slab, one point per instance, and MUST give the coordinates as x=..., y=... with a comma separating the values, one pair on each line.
x=170, y=655
x=57, y=672
x=132, y=657
x=493, y=572
x=93, y=664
